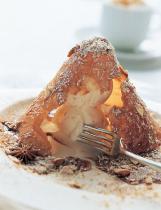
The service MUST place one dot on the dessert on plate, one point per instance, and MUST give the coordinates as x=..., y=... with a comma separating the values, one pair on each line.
x=91, y=88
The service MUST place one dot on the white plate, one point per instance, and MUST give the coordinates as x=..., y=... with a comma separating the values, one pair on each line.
x=43, y=193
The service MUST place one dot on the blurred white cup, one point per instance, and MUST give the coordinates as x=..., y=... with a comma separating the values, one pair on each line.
x=125, y=27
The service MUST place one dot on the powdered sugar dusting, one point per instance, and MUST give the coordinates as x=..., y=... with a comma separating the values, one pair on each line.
x=96, y=45
x=76, y=66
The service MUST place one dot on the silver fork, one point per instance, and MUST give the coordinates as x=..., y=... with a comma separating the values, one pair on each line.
x=108, y=142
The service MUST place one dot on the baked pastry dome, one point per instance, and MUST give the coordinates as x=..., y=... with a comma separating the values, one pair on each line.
x=92, y=88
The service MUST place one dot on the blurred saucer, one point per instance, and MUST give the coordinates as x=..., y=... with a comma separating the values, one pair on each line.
x=150, y=49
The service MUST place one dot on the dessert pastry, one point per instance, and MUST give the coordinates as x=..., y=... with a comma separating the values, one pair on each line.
x=92, y=88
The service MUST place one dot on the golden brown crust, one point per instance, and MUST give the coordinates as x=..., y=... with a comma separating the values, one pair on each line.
x=133, y=123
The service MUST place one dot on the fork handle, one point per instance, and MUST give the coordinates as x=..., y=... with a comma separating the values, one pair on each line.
x=144, y=161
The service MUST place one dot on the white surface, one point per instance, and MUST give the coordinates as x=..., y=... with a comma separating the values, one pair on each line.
x=35, y=36
x=43, y=193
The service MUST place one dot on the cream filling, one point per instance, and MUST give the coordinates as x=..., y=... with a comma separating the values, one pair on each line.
x=68, y=120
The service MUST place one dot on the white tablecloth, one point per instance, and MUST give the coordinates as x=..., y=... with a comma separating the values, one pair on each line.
x=35, y=36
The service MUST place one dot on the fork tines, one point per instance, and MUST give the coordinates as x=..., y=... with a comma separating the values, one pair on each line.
x=100, y=139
